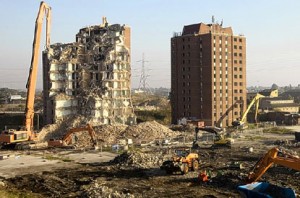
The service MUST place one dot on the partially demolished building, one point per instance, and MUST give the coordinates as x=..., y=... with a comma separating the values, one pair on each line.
x=90, y=77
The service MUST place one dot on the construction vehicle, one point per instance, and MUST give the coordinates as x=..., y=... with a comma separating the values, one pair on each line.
x=219, y=122
x=219, y=140
x=241, y=122
x=270, y=158
x=67, y=139
x=182, y=161
x=12, y=137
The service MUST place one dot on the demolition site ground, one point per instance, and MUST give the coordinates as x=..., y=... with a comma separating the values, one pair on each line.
x=137, y=173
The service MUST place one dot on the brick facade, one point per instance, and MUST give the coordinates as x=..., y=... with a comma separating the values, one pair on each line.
x=208, y=74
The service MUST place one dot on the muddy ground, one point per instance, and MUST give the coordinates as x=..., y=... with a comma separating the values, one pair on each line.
x=228, y=167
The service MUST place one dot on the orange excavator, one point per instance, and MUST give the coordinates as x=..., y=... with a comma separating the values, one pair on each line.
x=27, y=134
x=67, y=139
x=270, y=158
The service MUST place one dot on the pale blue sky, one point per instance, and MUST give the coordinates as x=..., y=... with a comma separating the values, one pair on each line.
x=271, y=27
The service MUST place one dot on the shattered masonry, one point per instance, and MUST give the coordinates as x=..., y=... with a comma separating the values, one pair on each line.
x=90, y=77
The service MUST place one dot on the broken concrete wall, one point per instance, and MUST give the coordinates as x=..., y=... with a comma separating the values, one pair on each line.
x=94, y=73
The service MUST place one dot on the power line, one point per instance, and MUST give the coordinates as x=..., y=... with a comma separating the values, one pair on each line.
x=143, y=85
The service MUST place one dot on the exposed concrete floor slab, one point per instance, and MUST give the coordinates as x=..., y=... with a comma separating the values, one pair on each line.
x=37, y=161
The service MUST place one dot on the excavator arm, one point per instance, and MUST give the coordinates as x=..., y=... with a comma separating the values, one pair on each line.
x=31, y=82
x=66, y=140
x=255, y=101
x=219, y=123
x=268, y=160
x=68, y=137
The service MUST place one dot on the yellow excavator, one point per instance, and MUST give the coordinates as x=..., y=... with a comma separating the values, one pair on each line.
x=220, y=139
x=270, y=158
x=12, y=137
x=67, y=139
x=241, y=122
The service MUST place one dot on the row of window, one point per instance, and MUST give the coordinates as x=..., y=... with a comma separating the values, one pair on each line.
x=226, y=45
x=236, y=83
x=189, y=54
x=184, y=114
x=236, y=91
x=226, y=53
x=183, y=91
x=220, y=38
x=240, y=61
x=188, y=69
x=188, y=99
x=240, y=47
x=238, y=76
x=188, y=84
x=226, y=83
x=188, y=46
x=183, y=39
x=215, y=75
x=221, y=99
x=240, y=40
x=221, y=91
x=226, y=72
x=236, y=69
x=220, y=60
x=236, y=54
x=188, y=76
x=187, y=106
x=221, y=106
x=188, y=61
x=236, y=98
x=221, y=114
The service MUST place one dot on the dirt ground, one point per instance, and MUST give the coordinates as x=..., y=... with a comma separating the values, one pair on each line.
x=70, y=173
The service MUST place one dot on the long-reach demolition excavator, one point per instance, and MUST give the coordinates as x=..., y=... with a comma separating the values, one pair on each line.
x=219, y=122
x=270, y=158
x=27, y=134
x=241, y=122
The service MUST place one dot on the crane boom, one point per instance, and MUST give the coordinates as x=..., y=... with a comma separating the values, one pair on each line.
x=31, y=82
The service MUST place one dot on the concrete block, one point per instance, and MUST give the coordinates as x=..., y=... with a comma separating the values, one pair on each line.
x=2, y=157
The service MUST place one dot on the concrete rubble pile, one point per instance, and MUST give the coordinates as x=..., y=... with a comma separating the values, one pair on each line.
x=139, y=160
x=97, y=190
x=287, y=143
x=108, y=134
x=148, y=131
x=111, y=134
x=57, y=131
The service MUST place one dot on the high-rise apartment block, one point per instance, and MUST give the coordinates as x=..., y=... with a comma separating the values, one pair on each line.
x=208, y=74
x=90, y=77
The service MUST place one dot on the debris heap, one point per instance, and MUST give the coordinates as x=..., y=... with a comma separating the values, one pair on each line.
x=138, y=160
x=97, y=190
x=108, y=134
x=148, y=131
